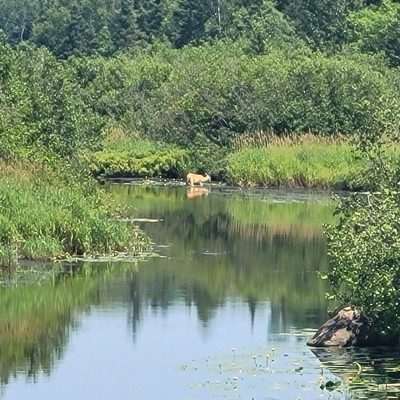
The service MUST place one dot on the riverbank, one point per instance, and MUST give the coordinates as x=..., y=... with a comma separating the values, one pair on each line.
x=307, y=164
x=49, y=215
x=138, y=158
x=306, y=161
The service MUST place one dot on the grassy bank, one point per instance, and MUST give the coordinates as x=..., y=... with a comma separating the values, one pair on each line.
x=47, y=215
x=309, y=163
x=305, y=161
x=135, y=157
x=296, y=161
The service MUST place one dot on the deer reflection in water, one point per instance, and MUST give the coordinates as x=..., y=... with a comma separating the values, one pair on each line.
x=194, y=192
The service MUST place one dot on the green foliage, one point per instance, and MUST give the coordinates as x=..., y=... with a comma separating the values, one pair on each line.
x=364, y=258
x=214, y=93
x=301, y=165
x=133, y=157
x=364, y=247
x=264, y=30
x=112, y=87
x=40, y=106
x=188, y=23
x=322, y=23
x=100, y=27
x=73, y=28
x=82, y=27
x=45, y=215
x=377, y=29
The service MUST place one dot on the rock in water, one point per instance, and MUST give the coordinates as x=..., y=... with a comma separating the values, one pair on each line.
x=348, y=328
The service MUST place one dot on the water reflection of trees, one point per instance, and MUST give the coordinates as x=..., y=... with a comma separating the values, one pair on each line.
x=217, y=254
x=209, y=287
x=35, y=323
x=262, y=251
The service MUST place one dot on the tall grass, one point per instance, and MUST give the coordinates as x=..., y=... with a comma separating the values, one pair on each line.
x=45, y=215
x=262, y=139
x=299, y=161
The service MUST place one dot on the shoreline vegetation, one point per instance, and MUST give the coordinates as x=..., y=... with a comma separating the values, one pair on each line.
x=185, y=89
x=47, y=215
x=253, y=160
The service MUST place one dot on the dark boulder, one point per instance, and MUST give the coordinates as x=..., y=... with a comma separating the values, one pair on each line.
x=349, y=327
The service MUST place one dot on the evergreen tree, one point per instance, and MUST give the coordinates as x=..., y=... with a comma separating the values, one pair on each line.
x=322, y=23
x=188, y=23
x=150, y=18
x=124, y=27
x=16, y=18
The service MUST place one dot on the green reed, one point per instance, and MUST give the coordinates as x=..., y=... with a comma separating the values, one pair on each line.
x=298, y=162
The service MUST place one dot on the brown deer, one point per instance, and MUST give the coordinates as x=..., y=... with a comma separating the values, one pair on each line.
x=194, y=179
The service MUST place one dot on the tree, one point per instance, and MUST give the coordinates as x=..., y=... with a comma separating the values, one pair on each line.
x=364, y=246
x=322, y=23
x=189, y=21
x=150, y=18
x=263, y=28
x=73, y=28
x=377, y=29
x=41, y=106
x=124, y=28
x=17, y=18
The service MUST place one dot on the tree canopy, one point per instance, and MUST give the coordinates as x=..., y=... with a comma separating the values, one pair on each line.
x=102, y=27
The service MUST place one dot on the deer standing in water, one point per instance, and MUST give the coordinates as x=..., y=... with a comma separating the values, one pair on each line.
x=194, y=179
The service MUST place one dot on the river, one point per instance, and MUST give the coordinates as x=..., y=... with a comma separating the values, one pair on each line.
x=221, y=310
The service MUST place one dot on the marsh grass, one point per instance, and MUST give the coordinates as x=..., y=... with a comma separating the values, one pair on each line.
x=45, y=215
x=308, y=161
x=262, y=139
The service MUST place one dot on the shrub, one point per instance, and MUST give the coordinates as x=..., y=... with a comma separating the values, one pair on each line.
x=133, y=157
x=364, y=257
x=41, y=107
x=214, y=93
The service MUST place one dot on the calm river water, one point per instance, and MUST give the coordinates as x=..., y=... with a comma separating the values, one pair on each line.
x=221, y=311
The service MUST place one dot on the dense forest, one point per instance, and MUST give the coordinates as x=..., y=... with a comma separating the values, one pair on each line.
x=194, y=74
x=102, y=27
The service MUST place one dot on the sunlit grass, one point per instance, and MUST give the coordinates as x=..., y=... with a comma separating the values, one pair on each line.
x=261, y=139
x=301, y=160
x=131, y=156
x=44, y=215
x=298, y=163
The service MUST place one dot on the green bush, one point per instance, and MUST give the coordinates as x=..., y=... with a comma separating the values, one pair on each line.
x=139, y=158
x=209, y=95
x=375, y=29
x=214, y=93
x=41, y=107
x=364, y=256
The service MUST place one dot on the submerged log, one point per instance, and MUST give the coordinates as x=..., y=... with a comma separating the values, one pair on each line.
x=349, y=327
